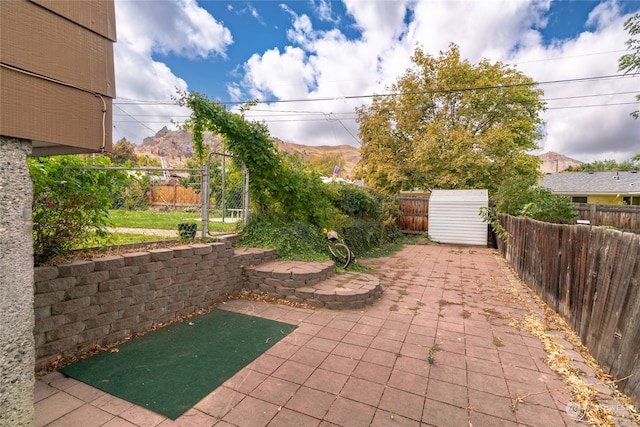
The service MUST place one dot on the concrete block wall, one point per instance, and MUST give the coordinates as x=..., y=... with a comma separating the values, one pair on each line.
x=102, y=301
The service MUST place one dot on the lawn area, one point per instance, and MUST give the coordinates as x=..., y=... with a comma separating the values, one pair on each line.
x=114, y=239
x=162, y=220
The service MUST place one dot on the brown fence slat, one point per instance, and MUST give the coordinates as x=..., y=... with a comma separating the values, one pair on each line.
x=627, y=359
x=623, y=217
x=565, y=272
x=604, y=289
x=578, y=272
x=415, y=214
x=590, y=283
x=620, y=305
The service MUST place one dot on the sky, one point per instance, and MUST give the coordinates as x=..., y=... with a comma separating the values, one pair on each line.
x=313, y=62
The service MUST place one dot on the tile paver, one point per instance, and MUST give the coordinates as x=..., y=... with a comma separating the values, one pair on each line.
x=312, y=402
x=370, y=366
x=275, y=390
x=346, y=412
x=363, y=391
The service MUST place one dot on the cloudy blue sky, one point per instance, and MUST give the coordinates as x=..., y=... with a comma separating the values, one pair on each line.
x=319, y=60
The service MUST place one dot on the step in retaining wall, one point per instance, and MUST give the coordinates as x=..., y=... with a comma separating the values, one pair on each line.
x=316, y=284
x=98, y=302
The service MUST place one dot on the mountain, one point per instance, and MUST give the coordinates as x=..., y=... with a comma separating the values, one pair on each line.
x=174, y=148
x=555, y=162
x=350, y=155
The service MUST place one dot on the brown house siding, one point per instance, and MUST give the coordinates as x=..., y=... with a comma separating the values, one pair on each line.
x=57, y=74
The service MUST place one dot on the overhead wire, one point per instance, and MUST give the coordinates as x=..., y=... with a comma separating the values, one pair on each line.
x=443, y=90
x=293, y=115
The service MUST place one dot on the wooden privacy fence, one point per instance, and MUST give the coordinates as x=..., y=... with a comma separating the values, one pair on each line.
x=620, y=216
x=171, y=193
x=415, y=215
x=590, y=276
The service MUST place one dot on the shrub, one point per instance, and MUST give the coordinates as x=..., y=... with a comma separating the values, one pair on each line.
x=136, y=195
x=520, y=197
x=372, y=217
x=371, y=224
x=293, y=240
x=356, y=202
x=548, y=207
x=70, y=202
x=513, y=194
x=362, y=235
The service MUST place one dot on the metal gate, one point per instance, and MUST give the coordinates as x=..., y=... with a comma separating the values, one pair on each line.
x=226, y=182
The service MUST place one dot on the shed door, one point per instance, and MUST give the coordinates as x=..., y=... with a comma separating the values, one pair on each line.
x=454, y=216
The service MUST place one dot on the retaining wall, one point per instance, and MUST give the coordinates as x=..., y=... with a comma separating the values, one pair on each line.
x=98, y=302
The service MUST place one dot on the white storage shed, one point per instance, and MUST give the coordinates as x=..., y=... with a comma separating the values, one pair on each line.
x=454, y=216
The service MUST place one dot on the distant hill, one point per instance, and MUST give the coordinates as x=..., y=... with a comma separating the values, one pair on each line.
x=349, y=154
x=174, y=148
x=555, y=162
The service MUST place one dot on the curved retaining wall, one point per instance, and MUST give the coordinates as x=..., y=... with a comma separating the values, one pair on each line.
x=314, y=283
x=97, y=302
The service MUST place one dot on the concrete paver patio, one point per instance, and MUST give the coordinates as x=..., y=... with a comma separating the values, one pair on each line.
x=437, y=349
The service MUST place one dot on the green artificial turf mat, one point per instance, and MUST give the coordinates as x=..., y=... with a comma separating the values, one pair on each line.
x=171, y=369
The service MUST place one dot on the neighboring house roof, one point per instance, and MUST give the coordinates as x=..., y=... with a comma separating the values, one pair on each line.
x=593, y=182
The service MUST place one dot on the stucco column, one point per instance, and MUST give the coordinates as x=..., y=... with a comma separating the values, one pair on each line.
x=17, y=348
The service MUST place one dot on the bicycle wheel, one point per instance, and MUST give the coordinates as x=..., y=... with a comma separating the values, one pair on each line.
x=341, y=253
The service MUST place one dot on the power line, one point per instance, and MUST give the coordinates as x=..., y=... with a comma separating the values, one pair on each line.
x=590, y=106
x=118, y=107
x=350, y=97
x=287, y=115
x=590, y=96
x=567, y=57
x=269, y=119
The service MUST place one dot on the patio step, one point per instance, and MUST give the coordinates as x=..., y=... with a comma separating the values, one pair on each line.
x=314, y=283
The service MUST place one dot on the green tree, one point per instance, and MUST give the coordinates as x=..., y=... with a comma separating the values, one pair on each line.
x=630, y=62
x=144, y=160
x=325, y=163
x=606, y=166
x=450, y=124
x=123, y=152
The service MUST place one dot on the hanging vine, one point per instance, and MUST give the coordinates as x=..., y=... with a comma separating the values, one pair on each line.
x=278, y=184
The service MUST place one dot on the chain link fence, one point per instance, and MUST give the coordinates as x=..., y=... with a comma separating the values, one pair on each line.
x=206, y=200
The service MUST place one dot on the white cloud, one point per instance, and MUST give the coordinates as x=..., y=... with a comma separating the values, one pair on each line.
x=574, y=126
x=323, y=10
x=504, y=31
x=147, y=28
x=180, y=27
x=327, y=65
